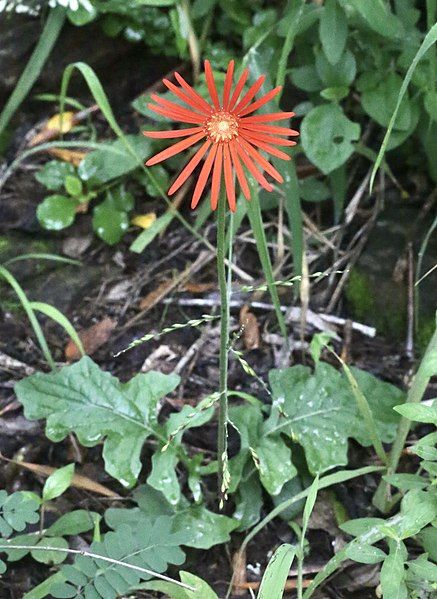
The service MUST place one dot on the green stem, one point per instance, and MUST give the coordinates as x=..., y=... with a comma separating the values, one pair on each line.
x=431, y=14
x=295, y=13
x=222, y=442
x=420, y=382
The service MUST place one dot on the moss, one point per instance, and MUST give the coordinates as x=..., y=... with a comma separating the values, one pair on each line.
x=424, y=333
x=359, y=294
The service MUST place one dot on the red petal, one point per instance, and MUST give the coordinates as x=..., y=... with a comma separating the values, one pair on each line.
x=265, y=118
x=216, y=177
x=269, y=129
x=238, y=88
x=192, y=92
x=172, y=134
x=211, y=85
x=192, y=102
x=267, y=147
x=174, y=116
x=253, y=90
x=203, y=177
x=229, y=177
x=189, y=168
x=250, y=165
x=278, y=141
x=177, y=107
x=175, y=149
x=239, y=171
x=228, y=85
x=261, y=160
x=261, y=101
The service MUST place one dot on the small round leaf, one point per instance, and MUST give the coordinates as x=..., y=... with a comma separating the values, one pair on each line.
x=109, y=224
x=56, y=212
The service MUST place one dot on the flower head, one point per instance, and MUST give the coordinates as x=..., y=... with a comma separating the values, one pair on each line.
x=231, y=136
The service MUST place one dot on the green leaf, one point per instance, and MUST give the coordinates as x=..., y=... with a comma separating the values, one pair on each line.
x=335, y=94
x=418, y=412
x=306, y=78
x=423, y=569
x=365, y=554
x=430, y=103
x=274, y=463
x=50, y=557
x=203, y=590
x=248, y=501
x=74, y=523
x=120, y=199
x=73, y=185
x=53, y=174
x=379, y=18
x=82, y=15
x=406, y=482
x=313, y=190
x=393, y=573
x=428, y=538
x=16, y=511
x=58, y=482
x=84, y=399
x=151, y=545
x=327, y=136
x=114, y=160
x=359, y=526
x=109, y=224
x=321, y=411
x=202, y=528
x=275, y=576
x=46, y=41
x=163, y=476
x=333, y=30
x=340, y=74
x=56, y=212
x=380, y=102
x=45, y=588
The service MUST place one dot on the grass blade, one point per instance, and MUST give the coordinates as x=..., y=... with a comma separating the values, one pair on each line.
x=11, y=280
x=47, y=40
x=61, y=319
x=307, y=511
x=255, y=218
x=42, y=256
x=275, y=576
x=430, y=39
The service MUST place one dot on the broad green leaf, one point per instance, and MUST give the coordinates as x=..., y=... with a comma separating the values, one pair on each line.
x=340, y=74
x=335, y=94
x=203, y=590
x=380, y=103
x=321, y=411
x=275, y=576
x=47, y=556
x=45, y=588
x=430, y=103
x=333, y=30
x=378, y=17
x=53, y=174
x=73, y=185
x=406, y=482
x=360, y=526
x=114, y=161
x=313, y=190
x=248, y=501
x=327, y=136
x=418, y=508
x=428, y=538
x=56, y=212
x=109, y=224
x=273, y=459
x=58, y=482
x=365, y=554
x=84, y=399
x=163, y=476
x=306, y=78
x=423, y=569
x=393, y=573
x=73, y=523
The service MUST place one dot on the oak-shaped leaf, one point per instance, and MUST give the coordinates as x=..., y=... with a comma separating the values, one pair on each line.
x=320, y=411
x=96, y=406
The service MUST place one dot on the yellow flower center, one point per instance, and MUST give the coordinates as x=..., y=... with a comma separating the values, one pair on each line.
x=221, y=127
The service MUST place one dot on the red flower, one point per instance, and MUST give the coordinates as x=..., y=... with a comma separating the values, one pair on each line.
x=230, y=137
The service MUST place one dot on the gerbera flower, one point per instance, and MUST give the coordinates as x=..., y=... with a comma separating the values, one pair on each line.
x=230, y=138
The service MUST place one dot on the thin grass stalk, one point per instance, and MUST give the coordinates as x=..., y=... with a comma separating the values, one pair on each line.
x=420, y=382
x=222, y=440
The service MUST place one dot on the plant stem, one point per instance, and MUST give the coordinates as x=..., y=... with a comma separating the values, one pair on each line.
x=426, y=369
x=222, y=441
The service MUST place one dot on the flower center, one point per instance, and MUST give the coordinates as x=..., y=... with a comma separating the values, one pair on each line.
x=221, y=127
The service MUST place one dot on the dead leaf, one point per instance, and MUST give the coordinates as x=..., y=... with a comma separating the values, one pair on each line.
x=79, y=481
x=73, y=156
x=145, y=221
x=157, y=294
x=92, y=338
x=192, y=287
x=53, y=127
x=249, y=322
x=239, y=570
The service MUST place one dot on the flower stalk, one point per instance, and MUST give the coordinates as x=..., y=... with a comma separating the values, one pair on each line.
x=224, y=288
